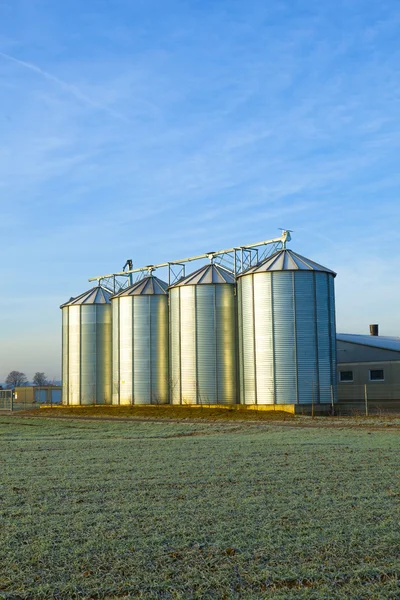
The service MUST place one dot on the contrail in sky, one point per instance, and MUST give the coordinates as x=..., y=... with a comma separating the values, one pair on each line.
x=71, y=89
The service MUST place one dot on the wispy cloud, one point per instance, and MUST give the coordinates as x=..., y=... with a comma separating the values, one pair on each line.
x=67, y=87
x=156, y=134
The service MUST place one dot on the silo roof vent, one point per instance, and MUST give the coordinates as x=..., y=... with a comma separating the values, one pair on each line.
x=96, y=295
x=287, y=260
x=208, y=274
x=148, y=286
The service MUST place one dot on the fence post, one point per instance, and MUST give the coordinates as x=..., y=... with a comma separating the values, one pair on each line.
x=312, y=401
x=366, y=399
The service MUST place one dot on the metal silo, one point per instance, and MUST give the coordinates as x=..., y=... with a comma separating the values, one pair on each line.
x=86, y=348
x=140, y=343
x=203, y=338
x=287, y=332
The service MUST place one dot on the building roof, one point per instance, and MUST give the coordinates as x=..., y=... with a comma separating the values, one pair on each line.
x=374, y=341
x=209, y=274
x=287, y=260
x=148, y=286
x=96, y=295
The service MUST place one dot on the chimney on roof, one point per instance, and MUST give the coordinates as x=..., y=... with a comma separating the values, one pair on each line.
x=374, y=329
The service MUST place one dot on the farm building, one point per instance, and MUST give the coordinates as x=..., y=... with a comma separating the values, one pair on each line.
x=368, y=365
x=29, y=396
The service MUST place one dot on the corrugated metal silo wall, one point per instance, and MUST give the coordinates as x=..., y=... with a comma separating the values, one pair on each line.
x=203, y=344
x=65, y=354
x=140, y=350
x=86, y=364
x=287, y=337
x=332, y=317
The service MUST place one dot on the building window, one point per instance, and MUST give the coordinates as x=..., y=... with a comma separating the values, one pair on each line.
x=345, y=376
x=376, y=375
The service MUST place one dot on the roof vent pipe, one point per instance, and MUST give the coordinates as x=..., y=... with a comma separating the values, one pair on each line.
x=374, y=329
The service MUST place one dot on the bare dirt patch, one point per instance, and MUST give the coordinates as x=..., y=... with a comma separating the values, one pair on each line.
x=159, y=414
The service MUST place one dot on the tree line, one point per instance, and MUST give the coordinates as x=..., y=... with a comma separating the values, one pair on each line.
x=17, y=379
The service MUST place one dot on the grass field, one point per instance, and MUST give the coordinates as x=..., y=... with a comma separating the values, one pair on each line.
x=222, y=510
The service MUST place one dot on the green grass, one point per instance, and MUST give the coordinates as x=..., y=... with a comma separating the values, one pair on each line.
x=103, y=509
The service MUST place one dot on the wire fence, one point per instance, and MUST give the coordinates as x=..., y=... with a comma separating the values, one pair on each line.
x=369, y=398
x=6, y=400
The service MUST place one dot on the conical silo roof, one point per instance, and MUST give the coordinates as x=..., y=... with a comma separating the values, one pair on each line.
x=96, y=295
x=148, y=286
x=208, y=274
x=287, y=260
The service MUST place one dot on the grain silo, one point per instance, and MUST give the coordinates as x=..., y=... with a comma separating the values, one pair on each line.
x=140, y=343
x=203, y=338
x=86, y=348
x=287, y=336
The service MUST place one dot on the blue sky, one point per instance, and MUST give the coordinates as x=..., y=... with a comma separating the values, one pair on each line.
x=156, y=129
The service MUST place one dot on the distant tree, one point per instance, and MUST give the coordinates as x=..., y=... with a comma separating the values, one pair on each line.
x=16, y=379
x=40, y=379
